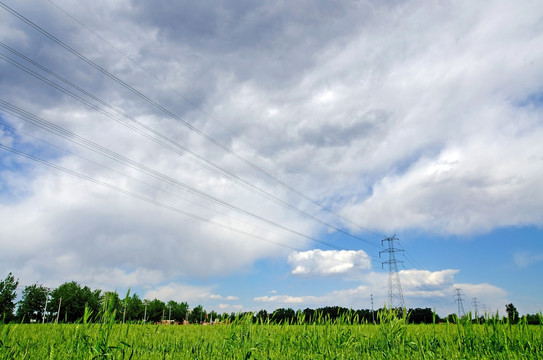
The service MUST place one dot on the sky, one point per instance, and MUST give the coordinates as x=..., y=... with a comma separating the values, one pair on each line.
x=249, y=155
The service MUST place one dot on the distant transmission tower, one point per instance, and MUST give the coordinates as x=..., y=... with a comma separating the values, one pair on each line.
x=475, y=305
x=458, y=298
x=395, y=296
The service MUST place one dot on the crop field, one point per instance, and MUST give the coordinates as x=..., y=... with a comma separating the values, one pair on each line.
x=243, y=339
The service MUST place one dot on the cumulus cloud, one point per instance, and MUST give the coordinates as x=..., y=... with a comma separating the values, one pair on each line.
x=421, y=288
x=283, y=299
x=180, y=292
x=314, y=263
x=397, y=116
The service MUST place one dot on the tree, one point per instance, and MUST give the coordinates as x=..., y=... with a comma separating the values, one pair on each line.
x=112, y=302
x=197, y=315
x=420, y=316
x=512, y=313
x=32, y=305
x=7, y=297
x=213, y=316
x=134, y=308
x=452, y=318
x=155, y=310
x=74, y=300
x=178, y=310
x=262, y=316
x=283, y=316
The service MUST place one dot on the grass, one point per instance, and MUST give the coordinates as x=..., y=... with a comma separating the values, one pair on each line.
x=393, y=338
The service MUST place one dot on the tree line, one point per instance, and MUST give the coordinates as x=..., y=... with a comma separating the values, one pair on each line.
x=69, y=302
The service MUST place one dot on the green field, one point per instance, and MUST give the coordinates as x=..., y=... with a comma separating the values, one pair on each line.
x=243, y=339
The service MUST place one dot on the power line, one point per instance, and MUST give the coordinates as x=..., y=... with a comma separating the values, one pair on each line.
x=46, y=125
x=147, y=199
x=170, y=193
x=166, y=111
x=137, y=196
x=135, y=63
x=176, y=148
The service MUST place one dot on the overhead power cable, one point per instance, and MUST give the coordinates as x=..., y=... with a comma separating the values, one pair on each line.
x=167, y=112
x=170, y=193
x=150, y=200
x=135, y=63
x=68, y=135
x=163, y=140
x=137, y=196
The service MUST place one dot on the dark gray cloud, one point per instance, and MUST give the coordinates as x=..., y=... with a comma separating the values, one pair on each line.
x=398, y=114
x=272, y=43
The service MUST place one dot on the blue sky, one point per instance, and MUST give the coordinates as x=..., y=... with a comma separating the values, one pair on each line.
x=185, y=141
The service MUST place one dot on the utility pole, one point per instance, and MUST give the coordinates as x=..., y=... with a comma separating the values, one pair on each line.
x=58, y=311
x=145, y=303
x=45, y=308
x=124, y=312
x=372, y=312
x=458, y=298
x=170, y=314
x=395, y=295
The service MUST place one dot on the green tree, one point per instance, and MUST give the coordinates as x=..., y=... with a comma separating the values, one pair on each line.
x=7, y=297
x=452, y=318
x=213, y=316
x=155, y=310
x=512, y=313
x=73, y=299
x=262, y=316
x=112, y=302
x=32, y=305
x=197, y=315
x=178, y=310
x=282, y=315
x=134, y=308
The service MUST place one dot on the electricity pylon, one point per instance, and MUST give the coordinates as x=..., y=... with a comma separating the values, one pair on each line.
x=475, y=305
x=458, y=298
x=395, y=295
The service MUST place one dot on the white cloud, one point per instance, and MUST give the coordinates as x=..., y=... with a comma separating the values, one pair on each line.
x=180, y=292
x=227, y=298
x=418, y=278
x=421, y=288
x=524, y=258
x=230, y=308
x=317, y=262
x=415, y=117
x=192, y=294
x=283, y=299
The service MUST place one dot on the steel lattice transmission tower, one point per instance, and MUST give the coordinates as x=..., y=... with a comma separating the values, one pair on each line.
x=475, y=305
x=395, y=295
x=458, y=298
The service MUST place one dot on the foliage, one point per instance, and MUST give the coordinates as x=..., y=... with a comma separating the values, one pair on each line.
x=512, y=313
x=197, y=315
x=134, y=307
x=72, y=299
x=534, y=319
x=7, y=297
x=32, y=305
x=111, y=301
x=155, y=310
x=177, y=311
